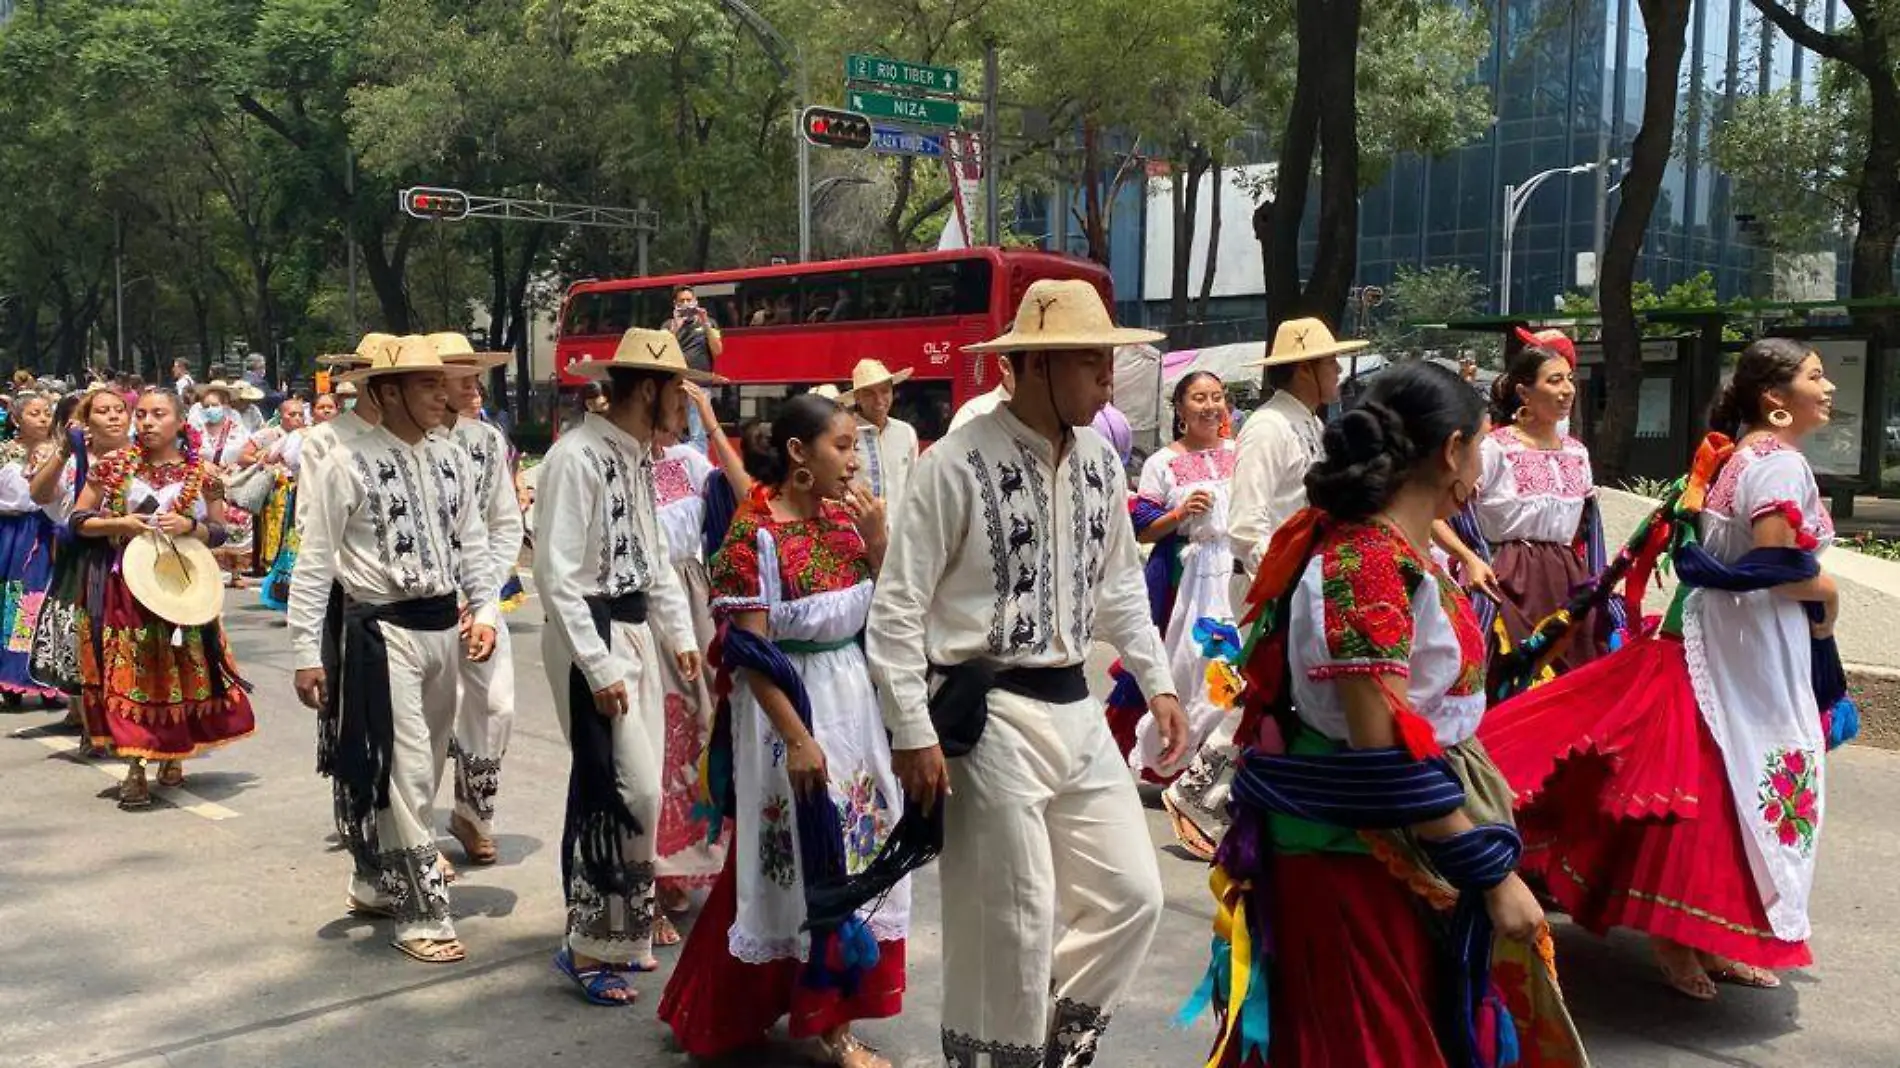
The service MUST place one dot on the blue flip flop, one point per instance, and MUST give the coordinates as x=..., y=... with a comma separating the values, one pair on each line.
x=595, y=983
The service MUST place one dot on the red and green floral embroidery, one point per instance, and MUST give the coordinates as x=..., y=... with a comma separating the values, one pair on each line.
x=777, y=862
x=1471, y=644
x=1368, y=576
x=816, y=555
x=1788, y=798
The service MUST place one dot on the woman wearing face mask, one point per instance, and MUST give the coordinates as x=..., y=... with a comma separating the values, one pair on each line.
x=1677, y=786
x=1364, y=804
x=26, y=546
x=225, y=444
x=1535, y=505
x=168, y=692
x=811, y=760
x=97, y=426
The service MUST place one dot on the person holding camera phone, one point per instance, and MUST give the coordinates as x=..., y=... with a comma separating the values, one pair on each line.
x=701, y=343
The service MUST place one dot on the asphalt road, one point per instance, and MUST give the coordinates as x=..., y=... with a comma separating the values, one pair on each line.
x=209, y=929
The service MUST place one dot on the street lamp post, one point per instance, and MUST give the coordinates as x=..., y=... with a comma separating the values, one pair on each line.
x=1515, y=197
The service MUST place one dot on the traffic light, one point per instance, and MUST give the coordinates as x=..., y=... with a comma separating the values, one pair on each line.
x=443, y=204
x=836, y=128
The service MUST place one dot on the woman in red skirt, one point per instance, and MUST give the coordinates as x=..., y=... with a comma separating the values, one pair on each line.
x=166, y=692
x=1365, y=805
x=1676, y=786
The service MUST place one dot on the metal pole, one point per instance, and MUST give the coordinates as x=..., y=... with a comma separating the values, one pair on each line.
x=1603, y=207
x=1510, y=226
x=118, y=287
x=992, y=157
x=641, y=238
x=804, y=161
x=349, y=232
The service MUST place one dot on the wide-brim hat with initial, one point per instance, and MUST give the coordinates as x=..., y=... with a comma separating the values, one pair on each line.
x=176, y=579
x=411, y=354
x=645, y=350
x=1064, y=314
x=1299, y=340
x=455, y=348
x=871, y=373
x=366, y=349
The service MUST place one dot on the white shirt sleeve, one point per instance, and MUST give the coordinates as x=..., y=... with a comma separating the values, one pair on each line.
x=919, y=554
x=560, y=566
x=323, y=514
x=506, y=527
x=1250, y=519
x=1121, y=611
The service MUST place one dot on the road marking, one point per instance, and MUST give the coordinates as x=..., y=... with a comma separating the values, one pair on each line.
x=178, y=796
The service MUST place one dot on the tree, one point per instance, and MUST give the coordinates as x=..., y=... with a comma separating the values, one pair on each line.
x=1419, y=302
x=1869, y=44
x=1666, y=24
x=1795, y=162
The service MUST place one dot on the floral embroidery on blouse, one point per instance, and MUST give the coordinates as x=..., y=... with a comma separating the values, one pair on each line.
x=1209, y=465
x=777, y=862
x=1471, y=644
x=1788, y=799
x=670, y=482
x=817, y=555
x=861, y=819
x=1722, y=494
x=1562, y=472
x=1368, y=577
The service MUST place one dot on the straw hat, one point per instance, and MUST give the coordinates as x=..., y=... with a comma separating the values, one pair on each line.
x=248, y=392
x=1299, y=340
x=869, y=373
x=825, y=390
x=366, y=350
x=227, y=390
x=644, y=350
x=405, y=355
x=345, y=389
x=176, y=579
x=454, y=348
x=1063, y=314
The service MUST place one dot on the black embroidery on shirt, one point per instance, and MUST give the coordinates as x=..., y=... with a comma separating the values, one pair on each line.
x=1039, y=553
x=999, y=556
x=1010, y=480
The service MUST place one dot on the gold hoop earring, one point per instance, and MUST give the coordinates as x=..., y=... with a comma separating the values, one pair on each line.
x=803, y=479
x=1781, y=418
x=1460, y=493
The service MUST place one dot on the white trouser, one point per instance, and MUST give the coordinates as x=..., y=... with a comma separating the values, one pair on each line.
x=618, y=928
x=422, y=674
x=1045, y=826
x=483, y=721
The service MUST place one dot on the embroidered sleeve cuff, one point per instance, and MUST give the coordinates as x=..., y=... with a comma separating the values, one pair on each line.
x=1361, y=668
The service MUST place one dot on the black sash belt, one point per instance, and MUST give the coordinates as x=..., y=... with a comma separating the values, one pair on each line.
x=364, y=741
x=959, y=710
x=598, y=818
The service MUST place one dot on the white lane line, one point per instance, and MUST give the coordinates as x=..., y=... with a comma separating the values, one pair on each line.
x=179, y=797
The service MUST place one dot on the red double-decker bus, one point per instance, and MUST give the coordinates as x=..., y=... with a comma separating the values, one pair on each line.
x=790, y=327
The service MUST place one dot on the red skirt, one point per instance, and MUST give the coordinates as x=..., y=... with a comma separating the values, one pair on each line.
x=1625, y=807
x=1536, y=578
x=153, y=698
x=1353, y=968
x=716, y=1003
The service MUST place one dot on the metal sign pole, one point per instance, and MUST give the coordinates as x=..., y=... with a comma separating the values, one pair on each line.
x=992, y=157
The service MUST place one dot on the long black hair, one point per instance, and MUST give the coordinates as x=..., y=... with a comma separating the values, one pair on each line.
x=801, y=418
x=1770, y=363
x=1372, y=450
x=1180, y=394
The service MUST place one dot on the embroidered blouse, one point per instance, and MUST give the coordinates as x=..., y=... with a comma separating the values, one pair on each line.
x=225, y=445
x=1531, y=494
x=1003, y=554
x=494, y=496
x=1277, y=445
x=1368, y=604
x=391, y=522
x=16, y=494
x=679, y=496
x=822, y=554
x=597, y=535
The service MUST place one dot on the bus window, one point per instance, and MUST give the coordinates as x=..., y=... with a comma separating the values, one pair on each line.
x=926, y=406
x=833, y=298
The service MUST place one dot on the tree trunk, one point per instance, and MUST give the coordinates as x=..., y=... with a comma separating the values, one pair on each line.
x=1336, y=260
x=1666, y=25
x=1094, y=220
x=387, y=270
x=1213, y=253
x=1276, y=221
x=1871, y=273
x=895, y=239
x=1186, y=204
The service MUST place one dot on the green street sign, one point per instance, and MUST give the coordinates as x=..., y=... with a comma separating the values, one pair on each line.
x=907, y=75
x=906, y=109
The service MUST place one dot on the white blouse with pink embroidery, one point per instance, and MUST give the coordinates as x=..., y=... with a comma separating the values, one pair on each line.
x=1531, y=494
x=679, y=498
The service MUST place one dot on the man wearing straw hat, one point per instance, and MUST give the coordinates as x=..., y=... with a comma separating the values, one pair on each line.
x=486, y=713
x=887, y=445
x=602, y=567
x=392, y=523
x=1014, y=553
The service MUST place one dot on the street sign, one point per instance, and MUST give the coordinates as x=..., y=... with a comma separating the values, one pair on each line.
x=907, y=109
x=446, y=205
x=832, y=128
x=908, y=75
x=889, y=141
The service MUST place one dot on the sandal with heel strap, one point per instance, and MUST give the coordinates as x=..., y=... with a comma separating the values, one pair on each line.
x=596, y=981
x=851, y=1052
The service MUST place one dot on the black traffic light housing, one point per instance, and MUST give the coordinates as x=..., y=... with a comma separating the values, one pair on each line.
x=836, y=128
x=444, y=204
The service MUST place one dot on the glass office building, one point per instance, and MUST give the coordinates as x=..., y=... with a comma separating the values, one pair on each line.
x=1564, y=73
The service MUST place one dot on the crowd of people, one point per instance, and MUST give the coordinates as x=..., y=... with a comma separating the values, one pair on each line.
x=1379, y=663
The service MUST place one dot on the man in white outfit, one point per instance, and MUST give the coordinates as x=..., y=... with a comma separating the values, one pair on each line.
x=887, y=446
x=1014, y=553
x=984, y=404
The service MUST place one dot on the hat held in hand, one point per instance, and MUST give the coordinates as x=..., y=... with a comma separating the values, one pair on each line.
x=176, y=579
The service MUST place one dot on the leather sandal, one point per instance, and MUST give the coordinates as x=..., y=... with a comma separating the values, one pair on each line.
x=851, y=1052
x=135, y=792
x=171, y=774
x=477, y=848
x=1682, y=970
x=1186, y=832
x=1735, y=973
x=433, y=950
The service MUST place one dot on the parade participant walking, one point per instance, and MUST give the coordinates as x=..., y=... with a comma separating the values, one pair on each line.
x=1181, y=509
x=1379, y=801
x=810, y=757
x=687, y=860
x=393, y=522
x=485, y=714
x=600, y=563
x=225, y=444
x=281, y=449
x=887, y=446
x=26, y=546
x=1536, y=504
x=72, y=616
x=168, y=689
x=1012, y=556
x=1677, y=786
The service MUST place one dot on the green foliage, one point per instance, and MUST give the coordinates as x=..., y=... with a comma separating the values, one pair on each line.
x=1693, y=293
x=1419, y=302
x=1795, y=159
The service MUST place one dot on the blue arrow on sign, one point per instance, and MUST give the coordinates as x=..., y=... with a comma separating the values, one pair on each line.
x=891, y=141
